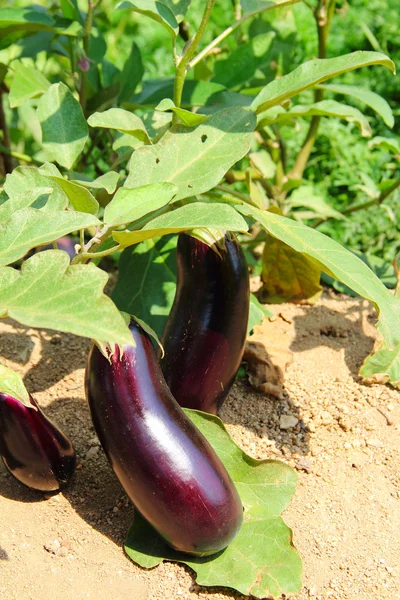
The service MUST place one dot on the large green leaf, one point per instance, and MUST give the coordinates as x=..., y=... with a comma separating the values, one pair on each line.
x=158, y=11
x=337, y=262
x=121, y=120
x=288, y=275
x=243, y=63
x=32, y=227
x=194, y=159
x=108, y=182
x=64, y=127
x=371, y=99
x=325, y=108
x=11, y=383
x=27, y=83
x=312, y=73
x=130, y=205
x=147, y=281
x=261, y=560
x=382, y=366
x=42, y=198
x=49, y=292
x=80, y=197
x=211, y=215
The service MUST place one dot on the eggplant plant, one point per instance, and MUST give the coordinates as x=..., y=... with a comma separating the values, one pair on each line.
x=95, y=146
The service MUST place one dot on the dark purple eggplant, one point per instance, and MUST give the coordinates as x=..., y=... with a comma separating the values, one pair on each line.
x=166, y=466
x=205, y=333
x=32, y=447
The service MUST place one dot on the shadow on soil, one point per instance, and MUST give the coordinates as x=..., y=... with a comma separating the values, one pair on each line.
x=3, y=554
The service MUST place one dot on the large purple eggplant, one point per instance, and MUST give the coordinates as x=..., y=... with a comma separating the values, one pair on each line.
x=205, y=333
x=166, y=466
x=32, y=447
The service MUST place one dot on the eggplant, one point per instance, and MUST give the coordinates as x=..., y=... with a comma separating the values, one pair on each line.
x=205, y=334
x=165, y=465
x=33, y=448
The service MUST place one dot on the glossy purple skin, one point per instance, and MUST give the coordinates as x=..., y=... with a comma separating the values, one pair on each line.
x=205, y=333
x=32, y=447
x=166, y=466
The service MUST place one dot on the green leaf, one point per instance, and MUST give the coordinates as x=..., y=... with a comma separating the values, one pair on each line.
x=242, y=63
x=289, y=275
x=130, y=205
x=147, y=281
x=263, y=162
x=389, y=144
x=131, y=75
x=327, y=108
x=178, y=7
x=31, y=227
x=121, y=120
x=252, y=7
x=158, y=11
x=26, y=184
x=185, y=116
x=305, y=196
x=80, y=198
x=27, y=83
x=257, y=313
x=261, y=560
x=205, y=215
x=11, y=383
x=49, y=292
x=37, y=198
x=371, y=99
x=337, y=262
x=312, y=73
x=64, y=127
x=382, y=366
x=70, y=9
x=108, y=182
x=194, y=159
x=16, y=23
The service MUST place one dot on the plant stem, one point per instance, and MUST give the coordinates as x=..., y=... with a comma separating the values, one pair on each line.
x=323, y=16
x=184, y=62
x=86, y=40
x=19, y=156
x=5, y=153
x=89, y=255
x=375, y=202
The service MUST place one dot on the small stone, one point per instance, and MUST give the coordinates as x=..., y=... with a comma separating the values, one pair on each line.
x=287, y=422
x=304, y=464
x=63, y=552
x=347, y=445
x=92, y=452
x=53, y=547
x=374, y=443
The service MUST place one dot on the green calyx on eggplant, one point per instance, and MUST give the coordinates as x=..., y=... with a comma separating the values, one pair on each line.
x=33, y=448
x=205, y=334
x=166, y=466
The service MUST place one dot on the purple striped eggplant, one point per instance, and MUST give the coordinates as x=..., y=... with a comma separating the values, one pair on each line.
x=205, y=333
x=32, y=447
x=166, y=466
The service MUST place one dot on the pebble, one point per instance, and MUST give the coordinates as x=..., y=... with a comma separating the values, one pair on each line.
x=288, y=422
x=374, y=443
x=53, y=547
x=92, y=452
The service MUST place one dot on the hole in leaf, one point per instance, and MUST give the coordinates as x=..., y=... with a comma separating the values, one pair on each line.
x=190, y=185
x=203, y=138
x=157, y=161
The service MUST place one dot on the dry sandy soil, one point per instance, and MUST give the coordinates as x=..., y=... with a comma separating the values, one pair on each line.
x=344, y=442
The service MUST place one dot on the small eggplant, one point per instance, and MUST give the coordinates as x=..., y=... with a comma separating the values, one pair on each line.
x=166, y=466
x=205, y=333
x=32, y=447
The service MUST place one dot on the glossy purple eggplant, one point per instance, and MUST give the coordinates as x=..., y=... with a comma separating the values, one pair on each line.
x=32, y=447
x=205, y=333
x=166, y=466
